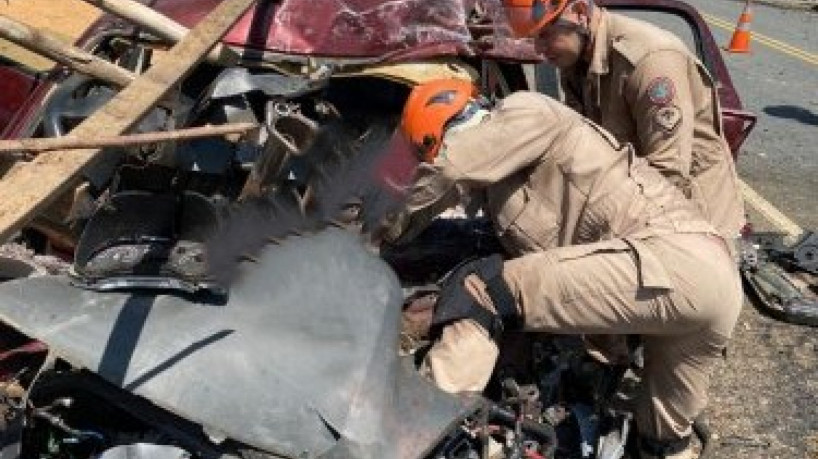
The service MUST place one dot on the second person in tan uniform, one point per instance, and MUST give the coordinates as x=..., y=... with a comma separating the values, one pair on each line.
x=641, y=84
x=604, y=245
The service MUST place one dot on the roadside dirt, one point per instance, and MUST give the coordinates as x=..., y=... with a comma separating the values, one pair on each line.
x=764, y=398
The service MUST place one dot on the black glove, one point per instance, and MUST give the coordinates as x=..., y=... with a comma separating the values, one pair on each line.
x=456, y=303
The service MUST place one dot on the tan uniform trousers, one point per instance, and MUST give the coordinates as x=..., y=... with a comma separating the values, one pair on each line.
x=596, y=289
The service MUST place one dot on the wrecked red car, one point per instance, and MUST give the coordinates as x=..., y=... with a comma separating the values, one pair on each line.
x=134, y=349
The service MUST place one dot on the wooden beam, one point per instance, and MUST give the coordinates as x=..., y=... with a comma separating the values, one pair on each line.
x=69, y=142
x=48, y=45
x=160, y=25
x=29, y=189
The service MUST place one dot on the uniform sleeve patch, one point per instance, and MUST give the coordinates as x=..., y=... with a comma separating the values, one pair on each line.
x=661, y=91
x=668, y=118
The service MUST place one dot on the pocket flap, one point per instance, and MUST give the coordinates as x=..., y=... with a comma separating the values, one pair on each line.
x=652, y=273
x=572, y=252
x=506, y=202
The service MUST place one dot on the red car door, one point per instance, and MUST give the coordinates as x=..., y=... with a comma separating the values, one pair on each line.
x=16, y=84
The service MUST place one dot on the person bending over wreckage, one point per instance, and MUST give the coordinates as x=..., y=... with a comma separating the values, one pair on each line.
x=604, y=245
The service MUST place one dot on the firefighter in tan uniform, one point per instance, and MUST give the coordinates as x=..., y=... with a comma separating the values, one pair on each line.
x=604, y=245
x=641, y=84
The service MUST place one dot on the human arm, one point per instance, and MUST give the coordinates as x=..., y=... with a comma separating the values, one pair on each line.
x=658, y=93
x=517, y=134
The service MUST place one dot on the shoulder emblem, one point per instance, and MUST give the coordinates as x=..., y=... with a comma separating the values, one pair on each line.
x=661, y=91
x=668, y=118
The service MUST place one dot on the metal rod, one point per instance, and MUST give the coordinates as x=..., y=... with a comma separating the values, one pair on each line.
x=40, y=145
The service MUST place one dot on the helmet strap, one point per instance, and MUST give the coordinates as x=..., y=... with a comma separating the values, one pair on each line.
x=473, y=113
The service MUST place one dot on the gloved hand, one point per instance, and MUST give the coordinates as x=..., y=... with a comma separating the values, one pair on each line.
x=457, y=302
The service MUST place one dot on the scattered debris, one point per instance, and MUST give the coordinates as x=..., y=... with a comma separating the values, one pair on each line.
x=744, y=442
x=784, y=277
x=18, y=261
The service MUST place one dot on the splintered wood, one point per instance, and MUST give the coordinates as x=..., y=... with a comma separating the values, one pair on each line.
x=68, y=19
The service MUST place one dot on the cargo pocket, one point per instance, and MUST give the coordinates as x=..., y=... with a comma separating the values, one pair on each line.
x=652, y=273
x=526, y=224
x=572, y=252
x=584, y=275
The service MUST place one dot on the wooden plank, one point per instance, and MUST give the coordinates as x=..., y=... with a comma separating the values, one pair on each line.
x=50, y=46
x=160, y=25
x=67, y=19
x=29, y=189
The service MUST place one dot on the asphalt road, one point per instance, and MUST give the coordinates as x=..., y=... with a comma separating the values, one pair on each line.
x=779, y=82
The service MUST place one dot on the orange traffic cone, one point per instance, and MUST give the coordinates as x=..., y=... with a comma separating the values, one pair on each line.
x=740, y=43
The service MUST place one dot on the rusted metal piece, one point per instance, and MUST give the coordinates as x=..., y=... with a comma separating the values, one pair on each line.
x=48, y=45
x=289, y=135
x=40, y=145
x=160, y=25
x=60, y=236
x=416, y=320
x=31, y=188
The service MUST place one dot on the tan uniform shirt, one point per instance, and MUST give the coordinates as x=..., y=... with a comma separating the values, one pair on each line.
x=645, y=87
x=551, y=178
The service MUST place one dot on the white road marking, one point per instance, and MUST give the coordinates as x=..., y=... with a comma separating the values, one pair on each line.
x=769, y=211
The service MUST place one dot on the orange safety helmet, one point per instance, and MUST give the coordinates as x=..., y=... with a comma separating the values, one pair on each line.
x=429, y=107
x=528, y=17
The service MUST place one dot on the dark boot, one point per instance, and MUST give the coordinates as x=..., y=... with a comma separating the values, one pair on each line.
x=666, y=449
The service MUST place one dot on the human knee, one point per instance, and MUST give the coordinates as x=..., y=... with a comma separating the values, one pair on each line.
x=462, y=358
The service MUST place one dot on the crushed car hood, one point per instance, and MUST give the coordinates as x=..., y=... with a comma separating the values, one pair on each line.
x=381, y=30
x=301, y=360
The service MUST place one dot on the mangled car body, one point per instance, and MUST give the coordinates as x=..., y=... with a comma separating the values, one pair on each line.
x=138, y=351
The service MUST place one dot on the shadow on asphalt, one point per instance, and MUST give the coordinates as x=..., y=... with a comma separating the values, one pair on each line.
x=799, y=114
